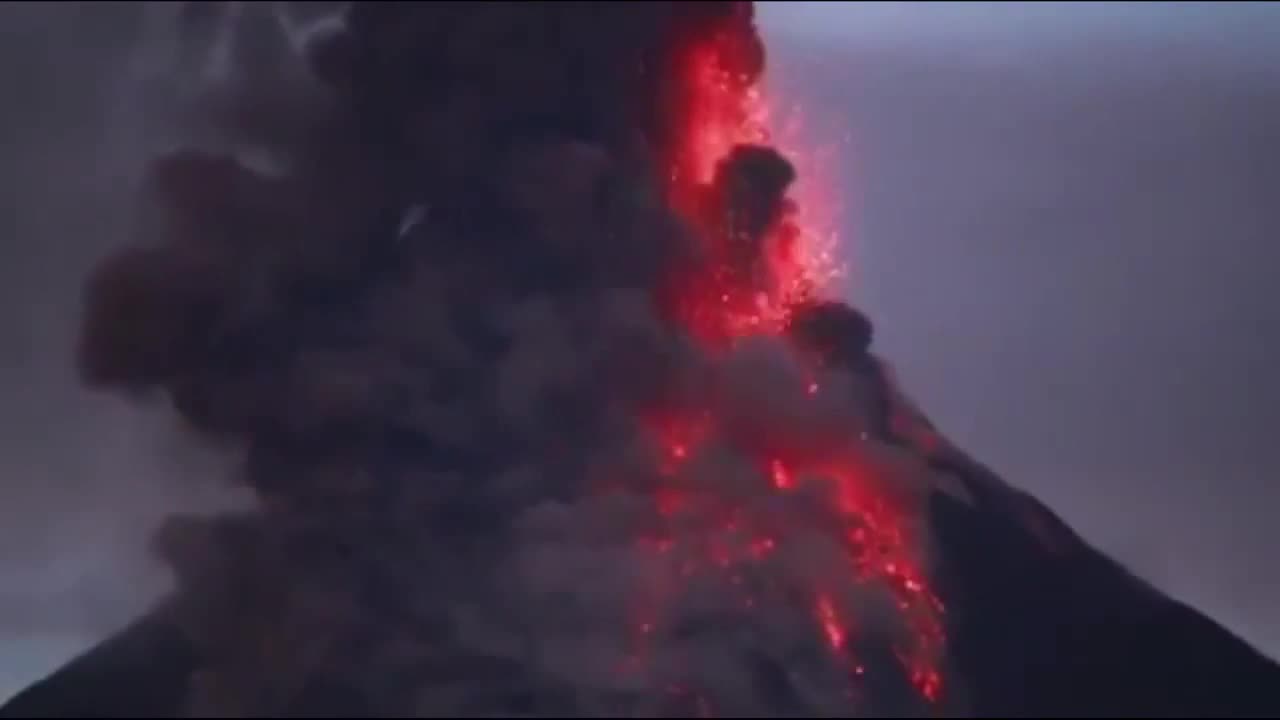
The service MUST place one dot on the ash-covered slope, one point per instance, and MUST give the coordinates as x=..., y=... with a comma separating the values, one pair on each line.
x=521, y=326
x=1043, y=625
x=1040, y=623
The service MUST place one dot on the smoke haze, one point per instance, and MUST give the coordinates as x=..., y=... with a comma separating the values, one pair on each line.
x=86, y=477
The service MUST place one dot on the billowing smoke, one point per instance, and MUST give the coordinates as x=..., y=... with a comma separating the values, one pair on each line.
x=85, y=475
x=516, y=323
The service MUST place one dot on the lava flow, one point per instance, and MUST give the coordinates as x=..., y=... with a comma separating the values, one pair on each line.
x=751, y=291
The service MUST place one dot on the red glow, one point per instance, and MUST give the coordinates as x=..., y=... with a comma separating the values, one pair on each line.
x=725, y=109
x=719, y=303
x=781, y=478
x=831, y=624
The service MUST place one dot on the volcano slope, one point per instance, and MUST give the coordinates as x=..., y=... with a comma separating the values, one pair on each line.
x=1041, y=625
x=519, y=316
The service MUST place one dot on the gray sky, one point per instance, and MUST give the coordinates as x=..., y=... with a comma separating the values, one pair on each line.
x=1238, y=28
x=1063, y=221
x=1061, y=216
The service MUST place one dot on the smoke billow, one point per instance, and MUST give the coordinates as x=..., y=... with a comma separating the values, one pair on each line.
x=540, y=415
x=84, y=476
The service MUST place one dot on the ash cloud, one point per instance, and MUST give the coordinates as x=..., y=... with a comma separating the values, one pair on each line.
x=86, y=477
x=416, y=266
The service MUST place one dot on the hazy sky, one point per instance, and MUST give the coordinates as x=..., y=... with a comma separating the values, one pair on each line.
x=1062, y=218
x=1069, y=259
x=1005, y=26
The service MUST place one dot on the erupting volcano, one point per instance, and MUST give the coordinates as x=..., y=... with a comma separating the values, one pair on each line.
x=545, y=401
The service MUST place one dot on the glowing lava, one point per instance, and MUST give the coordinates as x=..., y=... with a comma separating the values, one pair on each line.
x=725, y=110
x=723, y=302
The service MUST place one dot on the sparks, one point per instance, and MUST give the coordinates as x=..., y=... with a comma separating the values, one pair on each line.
x=830, y=623
x=727, y=110
x=781, y=478
x=722, y=303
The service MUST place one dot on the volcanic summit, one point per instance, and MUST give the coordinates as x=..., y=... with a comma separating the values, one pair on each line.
x=529, y=343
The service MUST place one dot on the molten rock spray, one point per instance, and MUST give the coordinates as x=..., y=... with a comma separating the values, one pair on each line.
x=544, y=412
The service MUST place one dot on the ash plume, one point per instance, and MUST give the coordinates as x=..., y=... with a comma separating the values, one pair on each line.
x=86, y=476
x=449, y=273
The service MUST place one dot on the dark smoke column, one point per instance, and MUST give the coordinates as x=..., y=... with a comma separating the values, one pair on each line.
x=523, y=337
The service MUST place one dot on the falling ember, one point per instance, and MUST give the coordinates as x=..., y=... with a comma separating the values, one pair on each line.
x=830, y=623
x=781, y=478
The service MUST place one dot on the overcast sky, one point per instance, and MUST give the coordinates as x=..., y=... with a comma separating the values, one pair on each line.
x=1061, y=215
x=1063, y=221
x=1232, y=27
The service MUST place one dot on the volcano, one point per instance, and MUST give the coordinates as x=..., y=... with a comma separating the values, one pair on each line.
x=522, y=320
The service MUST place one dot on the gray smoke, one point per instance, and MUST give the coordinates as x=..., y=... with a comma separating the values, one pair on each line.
x=87, y=477
x=407, y=273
